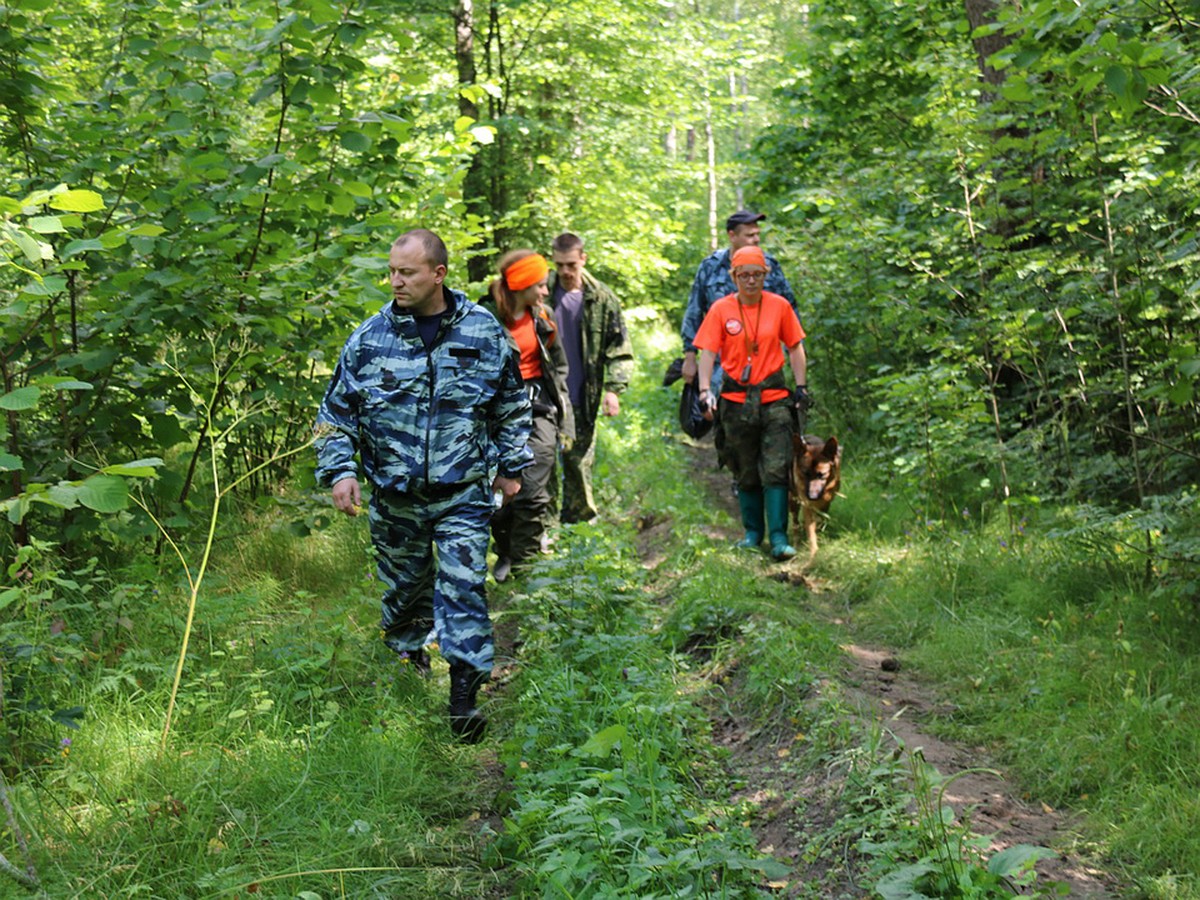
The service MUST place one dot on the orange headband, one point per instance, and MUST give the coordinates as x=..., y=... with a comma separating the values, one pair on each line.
x=526, y=272
x=748, y=256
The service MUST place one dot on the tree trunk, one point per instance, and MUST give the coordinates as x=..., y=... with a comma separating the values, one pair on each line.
x=738, y=89
x=475, y=185
x=464, y=54
x=712, y=173
x=980, y=13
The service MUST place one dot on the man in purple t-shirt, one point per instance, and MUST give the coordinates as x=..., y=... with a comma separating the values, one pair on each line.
x=600, y=362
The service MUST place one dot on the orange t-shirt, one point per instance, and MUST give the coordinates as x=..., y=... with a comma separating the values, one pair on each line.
x=524, y=333
x=731, y=329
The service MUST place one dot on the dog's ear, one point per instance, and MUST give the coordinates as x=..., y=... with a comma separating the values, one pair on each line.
x=831, y=450
x=798, y=445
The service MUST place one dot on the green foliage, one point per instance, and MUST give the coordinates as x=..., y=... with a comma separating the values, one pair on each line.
x=240, y=173
x=998, y=275
x=297, y=739
x=227, y=153
x=601, y=748
x=950, y=861
x=1011, y=268
x=1058, y=652
x=41, y=649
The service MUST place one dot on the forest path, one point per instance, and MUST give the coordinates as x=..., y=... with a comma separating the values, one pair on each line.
x=791, y=808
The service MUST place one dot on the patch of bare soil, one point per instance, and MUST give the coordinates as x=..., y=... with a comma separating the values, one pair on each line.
x=791, y=808
x=898, y=702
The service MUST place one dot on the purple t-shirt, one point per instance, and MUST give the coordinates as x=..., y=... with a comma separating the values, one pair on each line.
x=568, y=313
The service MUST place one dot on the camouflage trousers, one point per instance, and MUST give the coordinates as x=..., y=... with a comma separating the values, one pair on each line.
x=517, y=527
x=431, y=546
x=755, y=441
x=578, y=504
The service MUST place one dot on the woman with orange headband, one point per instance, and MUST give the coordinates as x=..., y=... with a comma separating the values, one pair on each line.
x=515, y=298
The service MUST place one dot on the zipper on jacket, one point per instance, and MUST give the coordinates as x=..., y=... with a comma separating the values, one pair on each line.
x=443, y=328
x=432, y=369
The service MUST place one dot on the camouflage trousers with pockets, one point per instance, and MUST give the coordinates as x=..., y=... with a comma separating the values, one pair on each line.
x=578, y=502
x=431, y=547
x=755, y=441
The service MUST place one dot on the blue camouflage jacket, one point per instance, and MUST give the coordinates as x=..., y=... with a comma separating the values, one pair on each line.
x=449, y=415
x=713, y=282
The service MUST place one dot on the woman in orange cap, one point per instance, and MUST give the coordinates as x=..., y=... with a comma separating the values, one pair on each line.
x=749, y=330
x=515, y=298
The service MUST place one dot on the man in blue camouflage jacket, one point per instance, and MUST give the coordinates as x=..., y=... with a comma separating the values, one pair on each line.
x=713, y=281
x=427, y=392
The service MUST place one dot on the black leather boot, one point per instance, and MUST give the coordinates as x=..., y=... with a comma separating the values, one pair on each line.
x=465, y=720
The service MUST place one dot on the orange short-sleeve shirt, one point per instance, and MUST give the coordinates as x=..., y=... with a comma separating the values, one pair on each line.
x=731, y=330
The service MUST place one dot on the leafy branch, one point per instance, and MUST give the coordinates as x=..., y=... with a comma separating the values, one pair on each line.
x=215, y=447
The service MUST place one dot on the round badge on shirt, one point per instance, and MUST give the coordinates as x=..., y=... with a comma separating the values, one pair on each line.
x=733, y=326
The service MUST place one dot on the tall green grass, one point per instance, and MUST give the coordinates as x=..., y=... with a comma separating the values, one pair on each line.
x=1055, y=652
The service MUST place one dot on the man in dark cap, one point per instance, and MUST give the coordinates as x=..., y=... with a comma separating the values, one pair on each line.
x=713, y=281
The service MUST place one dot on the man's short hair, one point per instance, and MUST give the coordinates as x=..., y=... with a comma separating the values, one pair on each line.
x=566, y=242
x=743, y=217
x=434, y=247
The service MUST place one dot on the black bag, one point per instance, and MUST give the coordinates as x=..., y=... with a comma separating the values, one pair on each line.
x=691, y=412
x=674, y=372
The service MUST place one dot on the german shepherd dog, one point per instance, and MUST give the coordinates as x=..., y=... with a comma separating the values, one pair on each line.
x=816, y=475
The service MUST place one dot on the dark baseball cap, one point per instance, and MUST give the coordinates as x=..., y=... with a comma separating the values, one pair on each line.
x=743, y=217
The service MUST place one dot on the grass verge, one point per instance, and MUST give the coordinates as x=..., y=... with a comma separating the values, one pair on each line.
x=305, y=762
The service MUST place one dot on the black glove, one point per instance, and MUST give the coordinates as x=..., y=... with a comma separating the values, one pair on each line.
x=674, y=372
x=800, y=398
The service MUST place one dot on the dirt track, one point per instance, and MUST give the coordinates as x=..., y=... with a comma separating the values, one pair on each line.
x=790, y=807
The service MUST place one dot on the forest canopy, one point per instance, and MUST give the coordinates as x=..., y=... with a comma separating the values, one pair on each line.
x=989, y=211
x=989, y=214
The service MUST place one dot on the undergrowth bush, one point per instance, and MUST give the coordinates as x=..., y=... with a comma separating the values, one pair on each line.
x=59, y=625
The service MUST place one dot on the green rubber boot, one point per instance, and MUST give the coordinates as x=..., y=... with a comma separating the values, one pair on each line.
x=776, y=501
x=751, y=503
